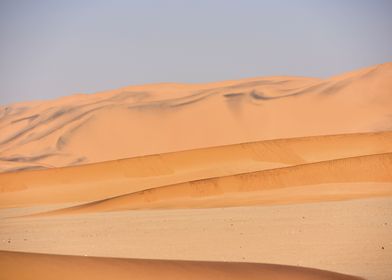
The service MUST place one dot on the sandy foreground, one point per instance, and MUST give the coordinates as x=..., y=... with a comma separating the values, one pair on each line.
x=289, y=178
x=350, y=237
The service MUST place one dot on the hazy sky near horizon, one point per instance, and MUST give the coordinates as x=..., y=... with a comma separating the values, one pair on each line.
x=54, y=48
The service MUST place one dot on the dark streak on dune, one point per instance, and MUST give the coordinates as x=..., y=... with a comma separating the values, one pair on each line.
x=25, y=159
x=60, y=112
x=310, y=89
x=55, y=116
x=25, y=168
x=235, y=101
x=188, y=101
x=237, y=94
x=60, y=126
x=62, y=141
x=33, y=117
x=334, y=88
x=78, y=161
x=175, y=102
x=260, y=96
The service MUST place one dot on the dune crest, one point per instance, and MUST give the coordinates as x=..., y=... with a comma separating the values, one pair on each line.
x=77, y=267
x=108, y=179
x=314, y=182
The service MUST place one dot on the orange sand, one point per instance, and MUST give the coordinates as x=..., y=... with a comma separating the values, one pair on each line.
x=40, y=266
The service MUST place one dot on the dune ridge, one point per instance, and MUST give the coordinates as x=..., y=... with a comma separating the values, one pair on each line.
x=253, y=188
x=78, y=267
x=83, y=129
x=108, y=179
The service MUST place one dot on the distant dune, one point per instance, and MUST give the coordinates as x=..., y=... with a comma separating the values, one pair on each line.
x=108, y=179
x=160, y=118
x=42, y=266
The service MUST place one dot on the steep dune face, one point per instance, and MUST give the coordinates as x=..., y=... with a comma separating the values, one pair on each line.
x=364, y=176
x=154, y=119
x=108, y=179
x=76, y=267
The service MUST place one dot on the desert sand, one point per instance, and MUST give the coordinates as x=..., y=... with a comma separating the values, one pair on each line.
x=71, y=267
x=260, y=178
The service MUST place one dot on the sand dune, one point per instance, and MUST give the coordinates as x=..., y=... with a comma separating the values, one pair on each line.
x=108, y=179
x=76, y=267
x=171, y=117
x=291, y=151
x=322, y=181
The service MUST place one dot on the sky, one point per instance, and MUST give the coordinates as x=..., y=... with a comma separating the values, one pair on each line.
x=52, y=48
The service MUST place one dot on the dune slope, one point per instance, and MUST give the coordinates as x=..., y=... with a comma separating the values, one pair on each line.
x=322, y=181
x=24, y=266
x=108, y=179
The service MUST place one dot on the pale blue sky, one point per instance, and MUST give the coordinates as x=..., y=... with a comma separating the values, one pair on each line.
x=53, y=48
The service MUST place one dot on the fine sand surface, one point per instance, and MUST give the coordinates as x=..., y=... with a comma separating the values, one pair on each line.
x=209, y=181
x=74, y=267
x=351, y=237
